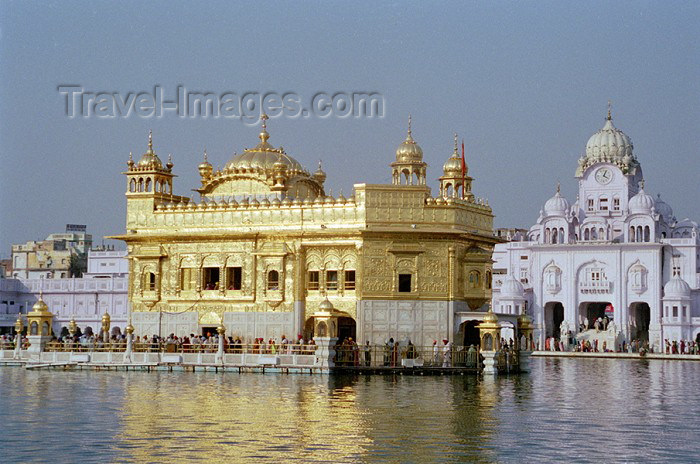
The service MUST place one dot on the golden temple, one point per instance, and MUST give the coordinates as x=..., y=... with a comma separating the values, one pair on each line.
x=266, y=244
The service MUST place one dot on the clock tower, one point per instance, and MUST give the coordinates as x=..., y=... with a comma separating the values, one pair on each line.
x=609, y=173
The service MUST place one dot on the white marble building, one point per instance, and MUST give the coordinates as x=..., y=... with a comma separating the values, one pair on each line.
x=616, y=251
x=102, y=289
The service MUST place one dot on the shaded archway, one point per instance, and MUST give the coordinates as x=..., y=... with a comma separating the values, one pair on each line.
x=470, y=333
x=553, y=317
x=346, y=328
x=639, y=320
x=592, y=310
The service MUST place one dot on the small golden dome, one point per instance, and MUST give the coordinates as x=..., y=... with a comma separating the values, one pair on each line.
x=453, y=165
x=320, y=174
x=409, y=150
x=326, y=305
x=205, y=167
x=40, y=306
x=490, y=317
x=150, y=160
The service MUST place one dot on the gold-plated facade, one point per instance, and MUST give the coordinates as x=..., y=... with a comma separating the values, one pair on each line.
x=266, y=245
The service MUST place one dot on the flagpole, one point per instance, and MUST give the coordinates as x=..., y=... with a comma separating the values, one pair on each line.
x=464, y=168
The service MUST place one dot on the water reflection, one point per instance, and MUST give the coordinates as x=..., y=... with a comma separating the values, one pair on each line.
x=565, y=410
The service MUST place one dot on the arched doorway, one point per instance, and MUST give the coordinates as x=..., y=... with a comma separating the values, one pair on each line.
x=553, y=317
x=347, y=328
x=470, y=333
x=592, y=310
x=639, y=319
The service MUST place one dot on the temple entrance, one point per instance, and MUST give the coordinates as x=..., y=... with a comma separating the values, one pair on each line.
x=470, y=333
x=639, y=317
x=346, y=328
x=209, y=331
x=553, y=317
x=590, y=311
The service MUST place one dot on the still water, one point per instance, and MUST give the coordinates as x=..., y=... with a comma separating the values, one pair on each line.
x=565, y=410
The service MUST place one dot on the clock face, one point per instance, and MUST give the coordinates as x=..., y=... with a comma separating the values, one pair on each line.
x=603, y=175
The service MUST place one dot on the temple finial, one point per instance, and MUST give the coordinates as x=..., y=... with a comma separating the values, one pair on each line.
x=264, y=117
x=319, y=165
x=150, y=140
x=558, y=187
x=641, y=184
x=205, y=155
x=609, y=110
x=409, y=124
x=455, y=142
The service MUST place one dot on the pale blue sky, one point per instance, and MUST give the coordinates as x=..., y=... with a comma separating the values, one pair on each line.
x=525, y=84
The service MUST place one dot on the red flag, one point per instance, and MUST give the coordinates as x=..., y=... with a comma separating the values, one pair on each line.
x=464, y=169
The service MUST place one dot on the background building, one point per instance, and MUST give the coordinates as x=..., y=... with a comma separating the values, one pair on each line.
x=616, y=251
x=267, y=244
x=59, y=256
x=102, y=289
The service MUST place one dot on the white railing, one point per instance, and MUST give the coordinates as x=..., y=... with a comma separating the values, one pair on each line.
x=602, y=286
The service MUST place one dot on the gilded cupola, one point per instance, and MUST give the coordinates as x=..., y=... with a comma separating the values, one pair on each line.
x=409, y=168
x=261, y=172
x=409, y=151
x=150, y=160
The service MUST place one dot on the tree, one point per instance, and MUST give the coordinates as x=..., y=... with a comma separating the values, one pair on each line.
x=77, y=265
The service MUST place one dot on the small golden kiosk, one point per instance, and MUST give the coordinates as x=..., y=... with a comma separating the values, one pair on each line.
x=39, y=322
x=490, y=334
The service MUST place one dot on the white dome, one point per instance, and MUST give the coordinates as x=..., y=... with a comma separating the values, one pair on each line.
x=512, y=288
x=641, y=203
x=556, y=206
x=686, y=223
x=664, y=209
x=676, y=288
x=609, y=144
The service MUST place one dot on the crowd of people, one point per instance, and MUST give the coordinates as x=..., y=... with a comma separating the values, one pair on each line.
x=682, y=347
x=635, y=346
x=349, y=353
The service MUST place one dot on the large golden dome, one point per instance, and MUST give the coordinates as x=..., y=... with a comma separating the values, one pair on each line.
x=263, y=155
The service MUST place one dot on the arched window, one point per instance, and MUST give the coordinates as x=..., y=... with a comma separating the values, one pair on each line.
x=474, y=277
x=601, y=234
x=448, y=190
x=561, y=235
x=554, y=235
x=488, y=279
x=151, y=282
x=639, y=233
x=594, y=234
x=273, y=280
x=647, y=234
x=140, y=185
x=148, y=184
x=586, y=235
x=631, y=233
x=132, y=185
x=547, y=236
